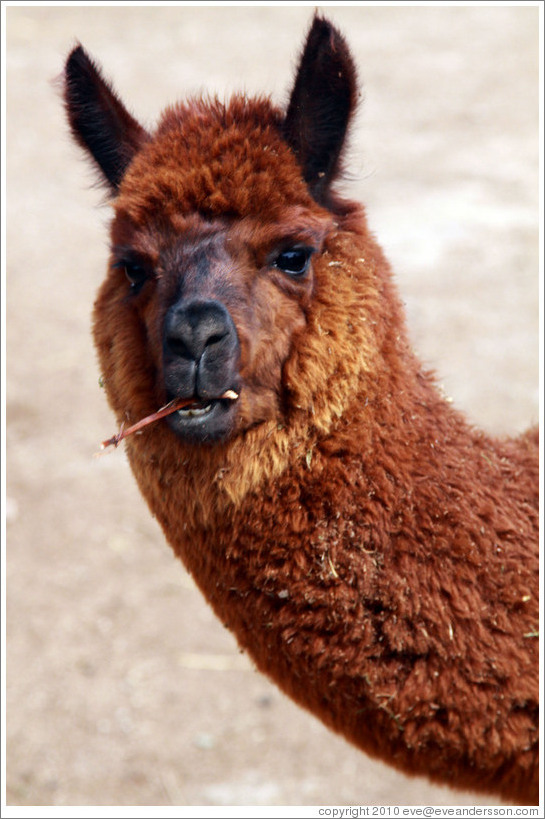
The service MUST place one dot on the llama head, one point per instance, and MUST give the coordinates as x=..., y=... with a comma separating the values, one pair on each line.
x=222, y=217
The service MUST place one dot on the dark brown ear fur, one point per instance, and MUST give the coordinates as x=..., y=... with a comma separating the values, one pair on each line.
x=323, y=99
x=98, y=119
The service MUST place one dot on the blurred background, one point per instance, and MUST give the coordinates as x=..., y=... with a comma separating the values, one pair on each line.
x=122, y=688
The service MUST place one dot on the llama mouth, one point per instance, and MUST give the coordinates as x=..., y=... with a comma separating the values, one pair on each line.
x=206, y=420
x=196, y=410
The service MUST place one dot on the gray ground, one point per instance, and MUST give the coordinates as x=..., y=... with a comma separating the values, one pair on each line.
x=122, y=688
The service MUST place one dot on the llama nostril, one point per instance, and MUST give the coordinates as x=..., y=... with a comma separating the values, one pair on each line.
x=178, y=347
x=215, y=339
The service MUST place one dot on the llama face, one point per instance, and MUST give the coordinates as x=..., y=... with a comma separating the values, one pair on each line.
x=217, y=276
x=220, y=218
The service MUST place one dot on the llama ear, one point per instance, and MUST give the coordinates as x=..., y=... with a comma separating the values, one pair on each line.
x=98, y=119
x=323, y=99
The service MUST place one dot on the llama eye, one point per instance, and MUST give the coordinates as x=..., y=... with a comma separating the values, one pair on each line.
x=135, y=274
x=294, y=261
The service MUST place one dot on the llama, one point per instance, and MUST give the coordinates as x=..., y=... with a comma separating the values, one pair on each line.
x=374, y=554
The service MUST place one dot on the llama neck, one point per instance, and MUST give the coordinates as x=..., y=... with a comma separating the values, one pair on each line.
x=379, y=565
x=391, y=589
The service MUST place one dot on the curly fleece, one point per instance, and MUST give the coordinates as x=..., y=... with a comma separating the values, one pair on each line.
x=374, y=554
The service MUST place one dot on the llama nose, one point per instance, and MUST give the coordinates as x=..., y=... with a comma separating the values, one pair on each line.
x=195, y=327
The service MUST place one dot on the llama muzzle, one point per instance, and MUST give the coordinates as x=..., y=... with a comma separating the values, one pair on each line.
x=201, y=353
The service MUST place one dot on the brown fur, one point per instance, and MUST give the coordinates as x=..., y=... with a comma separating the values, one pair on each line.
x=374, y=554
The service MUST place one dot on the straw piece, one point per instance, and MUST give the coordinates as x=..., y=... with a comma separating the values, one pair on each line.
x=168, y=409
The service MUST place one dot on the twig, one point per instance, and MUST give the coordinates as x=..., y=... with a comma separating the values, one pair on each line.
x=168, y=409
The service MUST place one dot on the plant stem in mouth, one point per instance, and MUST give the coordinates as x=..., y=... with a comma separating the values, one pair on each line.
x=168, y=409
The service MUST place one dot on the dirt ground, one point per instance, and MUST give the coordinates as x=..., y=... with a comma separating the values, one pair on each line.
x=122, y=688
